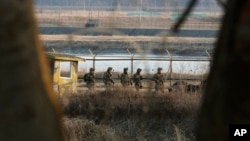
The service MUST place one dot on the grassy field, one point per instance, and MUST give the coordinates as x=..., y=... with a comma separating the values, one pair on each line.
x=121, y=115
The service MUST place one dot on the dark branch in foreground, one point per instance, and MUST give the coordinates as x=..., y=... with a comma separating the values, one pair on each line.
x=183, y=17
x=222, y=3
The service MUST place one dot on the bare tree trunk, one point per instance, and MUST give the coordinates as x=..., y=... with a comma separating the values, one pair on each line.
x=28, y=105
x=227, y=97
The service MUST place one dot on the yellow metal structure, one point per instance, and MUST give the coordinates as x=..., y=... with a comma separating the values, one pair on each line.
x=64, y=85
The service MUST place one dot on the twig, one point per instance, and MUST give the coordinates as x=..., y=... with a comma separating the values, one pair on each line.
x=222, y=3
x=183, y=17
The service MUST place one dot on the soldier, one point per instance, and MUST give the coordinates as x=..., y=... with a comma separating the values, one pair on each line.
x=125, y=79
x=107, y=78
x=89, y=78
x=137, y=79
x=159, y=83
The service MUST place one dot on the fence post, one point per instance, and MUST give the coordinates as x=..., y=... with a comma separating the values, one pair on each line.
x=93, y=55
x=132, y=64
x=94, y=61
x=132, y=61
x=208, y=54
x=170, y=66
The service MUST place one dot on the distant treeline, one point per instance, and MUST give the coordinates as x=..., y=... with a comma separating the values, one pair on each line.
x=125, y=3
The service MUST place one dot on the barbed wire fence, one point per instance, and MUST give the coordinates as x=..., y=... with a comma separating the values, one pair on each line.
x=168, y=62
x=157, y=18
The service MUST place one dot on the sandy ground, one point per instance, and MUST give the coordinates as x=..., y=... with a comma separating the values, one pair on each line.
x=124, y=38
x=107, y=14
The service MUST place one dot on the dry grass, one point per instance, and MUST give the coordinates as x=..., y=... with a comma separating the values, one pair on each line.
x=80, y=129
x=126, y=115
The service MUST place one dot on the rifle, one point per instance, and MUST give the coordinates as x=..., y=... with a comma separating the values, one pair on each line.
x=112, y=81
x=162, y=82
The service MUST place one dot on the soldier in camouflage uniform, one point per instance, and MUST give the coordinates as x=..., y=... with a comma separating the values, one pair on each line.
x=125, y=79
x=159, y=83
x=107, y=78
x=89, y=78
x=137, y=79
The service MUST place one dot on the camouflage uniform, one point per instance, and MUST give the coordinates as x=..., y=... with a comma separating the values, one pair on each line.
x=107, y=78
x=89, y=78
x=159, y=83
x=137, y=79
x=125, y=79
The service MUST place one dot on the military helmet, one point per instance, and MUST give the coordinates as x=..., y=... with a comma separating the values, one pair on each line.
x=138, y=70
x=159, y=69
x=125, y=69
x=91, y=69
x=110, y=68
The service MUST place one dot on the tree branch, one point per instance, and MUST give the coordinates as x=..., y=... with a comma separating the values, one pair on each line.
x=183, y=17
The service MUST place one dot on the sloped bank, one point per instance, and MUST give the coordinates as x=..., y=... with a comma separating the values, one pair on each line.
x=126, y=31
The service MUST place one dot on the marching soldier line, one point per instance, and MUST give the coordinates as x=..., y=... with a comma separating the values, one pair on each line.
x=125, y=79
